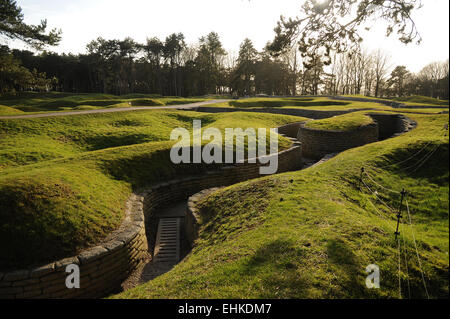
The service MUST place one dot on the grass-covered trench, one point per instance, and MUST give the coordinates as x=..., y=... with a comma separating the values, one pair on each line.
x=420, y=104
x=345, y=122
x=34, y=102
x=64, y=181
x=312, y=233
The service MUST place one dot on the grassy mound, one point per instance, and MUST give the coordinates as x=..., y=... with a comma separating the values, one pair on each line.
x=53, y=101
x=52, y=212
x=423, y=100
x=307, y=103
x=346, y=122
x=64, y=181
x=312, y=233
x=6, y=110
x=279, y=102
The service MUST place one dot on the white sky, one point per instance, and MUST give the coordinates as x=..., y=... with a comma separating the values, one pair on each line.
x=84, y=20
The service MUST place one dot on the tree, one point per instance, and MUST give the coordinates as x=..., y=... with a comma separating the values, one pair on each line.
x=291, y=59
x=208, y=60
x=173, y=47
x=312, y=75
x=13, y=27
x=154, y=50
x=397, y=79
x=102, y=54
x=334, y=25
x=432, y=75
x=380, y=61
x=128, y=50
x=244, y=74
x=15, y=77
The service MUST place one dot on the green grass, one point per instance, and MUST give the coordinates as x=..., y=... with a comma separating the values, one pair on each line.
x=346, y=122
x=30, y=102
x=421, y=100
x=311, y=233
x=326, y=104
x=413, y=100
x=278, y=102
x=64, y=181
x=421, y=110
x=281, y=102
x=6, y=110
x=307, y=103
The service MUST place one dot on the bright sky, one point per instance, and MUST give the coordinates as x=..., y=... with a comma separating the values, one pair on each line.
x=84, y=20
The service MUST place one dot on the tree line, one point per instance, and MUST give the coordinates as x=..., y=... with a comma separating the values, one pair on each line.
x=312, y=55
x=165, y=67
x=373, y=74
x=172, y=67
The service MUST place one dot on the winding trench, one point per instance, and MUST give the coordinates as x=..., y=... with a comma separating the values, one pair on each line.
x=174, y=242
x=158, y=229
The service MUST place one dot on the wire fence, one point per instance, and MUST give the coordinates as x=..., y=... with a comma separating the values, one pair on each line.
x=365, y=176
x=415, y=161
x=417, y=251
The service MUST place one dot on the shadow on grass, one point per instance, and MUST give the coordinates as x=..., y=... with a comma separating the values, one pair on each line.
x=286, y=103
x=99, y=142
x=350, y=275
x=282, y=268
x=276, y=263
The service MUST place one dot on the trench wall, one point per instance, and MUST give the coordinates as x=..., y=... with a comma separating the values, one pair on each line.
x=104, y=267
x=390, y=125
x=318, y=143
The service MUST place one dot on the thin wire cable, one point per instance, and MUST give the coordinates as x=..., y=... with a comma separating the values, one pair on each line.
x=444, y=128
x=415, y=246
x=426, y=159
x=405, y=251
x=419, y=161
x=381, y=215
x=392, y=228
x=399, y=269
x=407, y=159
x=376, y=195
x=379, y=185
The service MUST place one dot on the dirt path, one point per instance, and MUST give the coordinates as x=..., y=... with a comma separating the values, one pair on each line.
x=111, y=110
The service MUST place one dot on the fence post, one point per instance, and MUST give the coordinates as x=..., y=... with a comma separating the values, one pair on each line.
x=399, y=214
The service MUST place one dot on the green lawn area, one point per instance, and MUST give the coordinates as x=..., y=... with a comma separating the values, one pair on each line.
x=30, y=102
x=64, y=181
x=280, y=102
x=421, y=100
x=312, y=233
x=346, y=122
x=307, y=103
x=421, y=110
x=413, y=100
x=326, y=104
